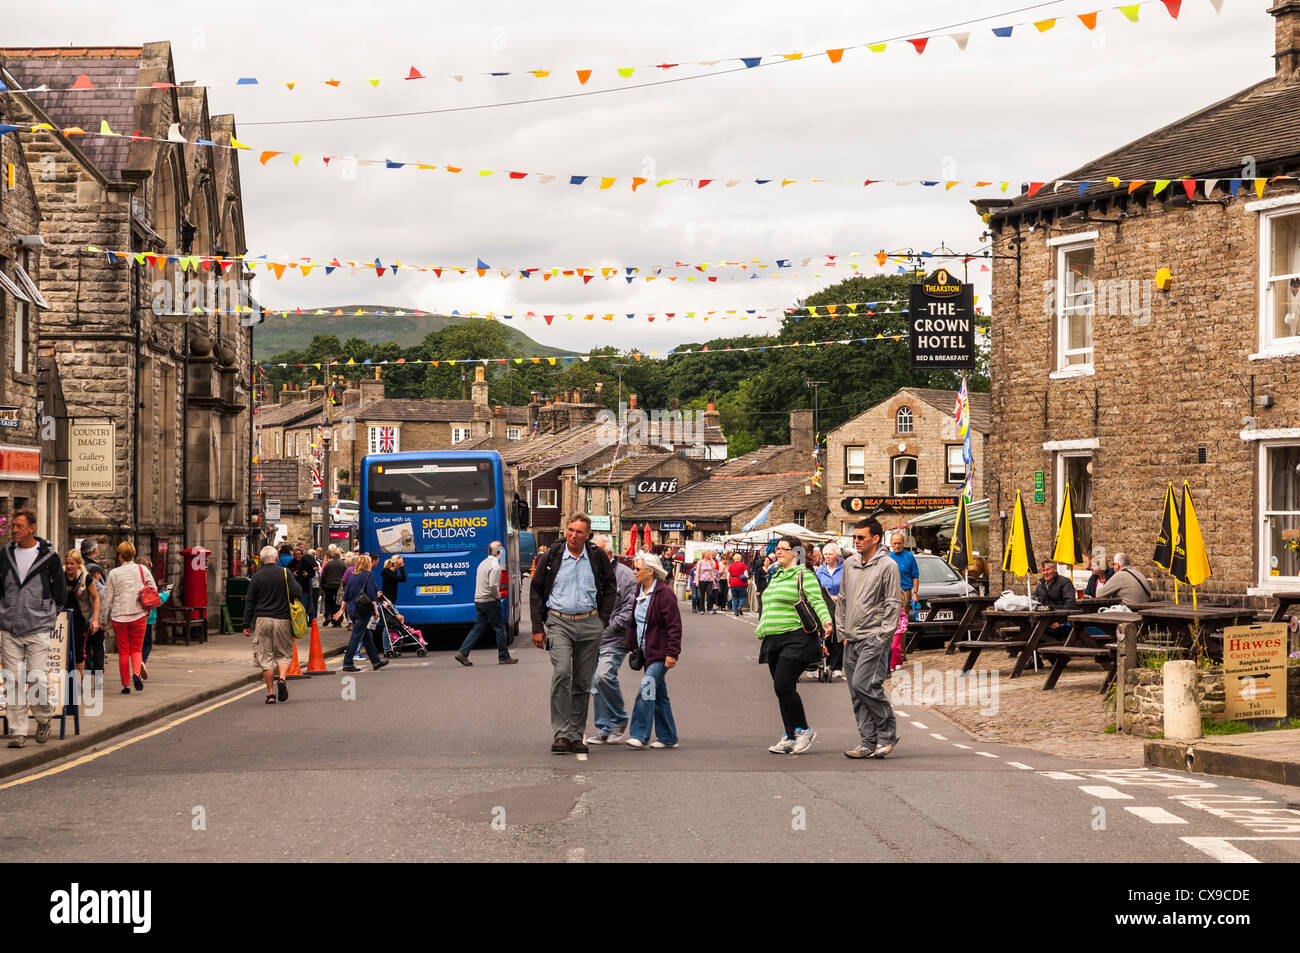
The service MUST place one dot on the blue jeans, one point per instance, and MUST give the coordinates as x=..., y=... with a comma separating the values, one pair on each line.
x=487, y=615
x=738, y=594
x=611, y=715
x=360, y=635
x=652, y=708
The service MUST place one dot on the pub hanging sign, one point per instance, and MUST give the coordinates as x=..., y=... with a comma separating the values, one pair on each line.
x=941, y=322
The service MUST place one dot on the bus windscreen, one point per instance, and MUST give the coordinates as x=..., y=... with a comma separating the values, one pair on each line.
x=446, y=487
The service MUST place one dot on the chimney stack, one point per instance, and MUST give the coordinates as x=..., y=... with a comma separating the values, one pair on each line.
x=315, y=391
x=801, y=430
x=1286, y=59
x=352, y=396
x=479, y=389
x=289, y=393
x=533, y=408
x=372, y=389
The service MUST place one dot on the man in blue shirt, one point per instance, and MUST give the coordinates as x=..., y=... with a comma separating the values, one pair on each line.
x=908, y=579
x=571, y=599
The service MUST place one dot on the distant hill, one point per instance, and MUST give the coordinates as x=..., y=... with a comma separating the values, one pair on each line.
x=277, y=334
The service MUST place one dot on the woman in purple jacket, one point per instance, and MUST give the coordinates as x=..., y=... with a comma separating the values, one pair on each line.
x=658, y=633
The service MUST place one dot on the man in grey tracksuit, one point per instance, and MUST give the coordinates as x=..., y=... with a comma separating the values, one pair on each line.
x=33, y=588
x=866, y=615
x=611, y=715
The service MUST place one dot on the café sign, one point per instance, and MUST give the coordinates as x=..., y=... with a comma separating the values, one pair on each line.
x=656, y=486
x=9, y=419
x=941, y=322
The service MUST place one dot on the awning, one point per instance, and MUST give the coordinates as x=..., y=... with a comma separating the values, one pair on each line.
x=33, y=293
x=977, y=512
x=8, y=287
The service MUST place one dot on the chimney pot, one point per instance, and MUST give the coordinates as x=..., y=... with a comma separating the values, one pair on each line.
x=1286, y=14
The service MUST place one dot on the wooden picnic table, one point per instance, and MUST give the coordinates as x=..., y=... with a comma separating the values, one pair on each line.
x=1030, y=624
x=1178, y=620
x=1082, y=644
x=962, y=611
x=1286, y=601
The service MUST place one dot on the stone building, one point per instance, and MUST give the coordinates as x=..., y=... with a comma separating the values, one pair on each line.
x=157, y=393
x=723, y=505
x=609, y=487
x=1148, y=331
x=28, y=476
x=905, y=449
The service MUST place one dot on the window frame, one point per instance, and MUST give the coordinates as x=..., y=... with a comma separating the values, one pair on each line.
x=514, y=433
x=1263, y=477
x=848, y=473
x=893, y=474
x=948, y=471
x=548, y=494
x=800, y=517
x=1267, y=340
x=463, y=429
x=1061, y=457
x=898, y=420
x=372, y=438
x=1063, y=351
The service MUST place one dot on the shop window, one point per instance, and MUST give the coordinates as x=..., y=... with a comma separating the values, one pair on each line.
x=905, y=480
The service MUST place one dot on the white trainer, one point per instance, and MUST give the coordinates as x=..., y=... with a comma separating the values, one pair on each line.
x=784, y=746
x=633, y=742
x=660, y=744
x=803, y=740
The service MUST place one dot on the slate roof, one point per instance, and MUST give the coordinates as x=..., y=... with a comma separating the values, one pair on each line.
x=108, y=67
x=286, y=415
x=981, y=405
x=626, y=468
x=431, y=411
x=282, y=480
x=739, y=465
x=719, y=498
x=540, y=452
x=1262, y=121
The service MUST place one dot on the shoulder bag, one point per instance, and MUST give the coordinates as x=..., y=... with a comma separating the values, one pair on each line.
x=149, y=598
x=364, y=605
x=812, y=625
x=297, y=614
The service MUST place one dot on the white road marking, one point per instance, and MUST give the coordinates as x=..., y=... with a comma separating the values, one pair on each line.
x=902, y=714
x=917, y=724
x=963, y=747
x=1220, y=849
x=582, y=757
x=1022, y=767
x=1061, y=776
x=1156, y=815
x=985, y=754
x=935, y=734
x=577, y=855
x=1104, y=792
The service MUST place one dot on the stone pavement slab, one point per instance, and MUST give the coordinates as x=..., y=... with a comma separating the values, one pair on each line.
x=1262, y=756
x=1069, y=721
x=179, y=676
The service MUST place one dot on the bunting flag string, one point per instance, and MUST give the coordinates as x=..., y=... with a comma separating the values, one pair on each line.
x=554, y=360
x=920, y=44
x=854, y=309
x=607, y=182
x=774, y=267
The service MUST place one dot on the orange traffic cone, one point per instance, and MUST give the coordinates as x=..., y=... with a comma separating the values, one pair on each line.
x=315, y=656
x=295, y=671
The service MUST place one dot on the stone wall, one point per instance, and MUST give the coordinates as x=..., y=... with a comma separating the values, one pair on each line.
x=1161, y=389
x=1144, y=700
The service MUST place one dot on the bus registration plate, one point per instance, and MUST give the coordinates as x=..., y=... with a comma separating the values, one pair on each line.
x=432, y=590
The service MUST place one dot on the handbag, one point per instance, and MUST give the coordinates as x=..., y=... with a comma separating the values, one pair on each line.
x=365, y=607
x=636, y=659
x=297, y=614
x=807, y=615
x=149, y=598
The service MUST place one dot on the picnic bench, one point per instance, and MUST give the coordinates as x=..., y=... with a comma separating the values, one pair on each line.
x=1179, y=621
x=1286, y=601
x=1018, y=631
x=181, y=622
x=949, y=616
x=1083, y=644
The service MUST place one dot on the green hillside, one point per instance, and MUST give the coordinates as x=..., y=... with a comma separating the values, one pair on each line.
x=277, y=334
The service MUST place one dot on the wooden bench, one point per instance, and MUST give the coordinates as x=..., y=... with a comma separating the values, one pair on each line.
x=189, y=624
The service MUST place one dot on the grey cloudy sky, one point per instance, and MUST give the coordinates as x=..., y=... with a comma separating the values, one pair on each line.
x=1026, y=108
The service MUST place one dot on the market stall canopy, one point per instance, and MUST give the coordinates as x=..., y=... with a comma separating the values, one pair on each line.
x=785, y=529
x=977, y=512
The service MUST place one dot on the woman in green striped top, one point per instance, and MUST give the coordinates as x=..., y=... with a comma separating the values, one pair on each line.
x=786, y=647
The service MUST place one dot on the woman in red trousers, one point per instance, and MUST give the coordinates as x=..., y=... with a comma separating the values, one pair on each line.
x=121, y=605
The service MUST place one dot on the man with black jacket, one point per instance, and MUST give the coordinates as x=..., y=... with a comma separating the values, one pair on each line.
x=571, y=599
x=303, y=567
x=266, y=619
x=330, y=579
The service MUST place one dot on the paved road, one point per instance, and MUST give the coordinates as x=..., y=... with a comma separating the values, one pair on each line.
x=424, y=758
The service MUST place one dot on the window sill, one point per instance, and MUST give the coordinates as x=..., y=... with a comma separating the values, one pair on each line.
x=1283, y=584
x=1086, y=370
x=1287, y=348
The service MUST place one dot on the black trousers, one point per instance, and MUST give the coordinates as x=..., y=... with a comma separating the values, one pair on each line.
x=786, y=670
x=331, y=601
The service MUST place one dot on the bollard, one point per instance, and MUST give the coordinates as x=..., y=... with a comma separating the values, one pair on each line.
x=1182, y=713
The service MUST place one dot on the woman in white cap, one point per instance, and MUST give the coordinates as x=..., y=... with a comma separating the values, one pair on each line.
x=657, y=633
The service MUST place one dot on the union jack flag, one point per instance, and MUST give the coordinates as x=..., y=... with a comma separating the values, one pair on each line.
x=386, y=439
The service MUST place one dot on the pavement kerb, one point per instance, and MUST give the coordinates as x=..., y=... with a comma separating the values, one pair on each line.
x=1207, y=758
x=72, y=744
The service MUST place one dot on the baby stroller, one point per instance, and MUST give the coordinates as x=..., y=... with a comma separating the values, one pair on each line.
x=395, y=634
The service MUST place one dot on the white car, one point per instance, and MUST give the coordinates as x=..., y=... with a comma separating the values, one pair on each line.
x=345, y=511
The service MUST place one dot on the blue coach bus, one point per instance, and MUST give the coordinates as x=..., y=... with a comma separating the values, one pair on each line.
x=440, y=509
